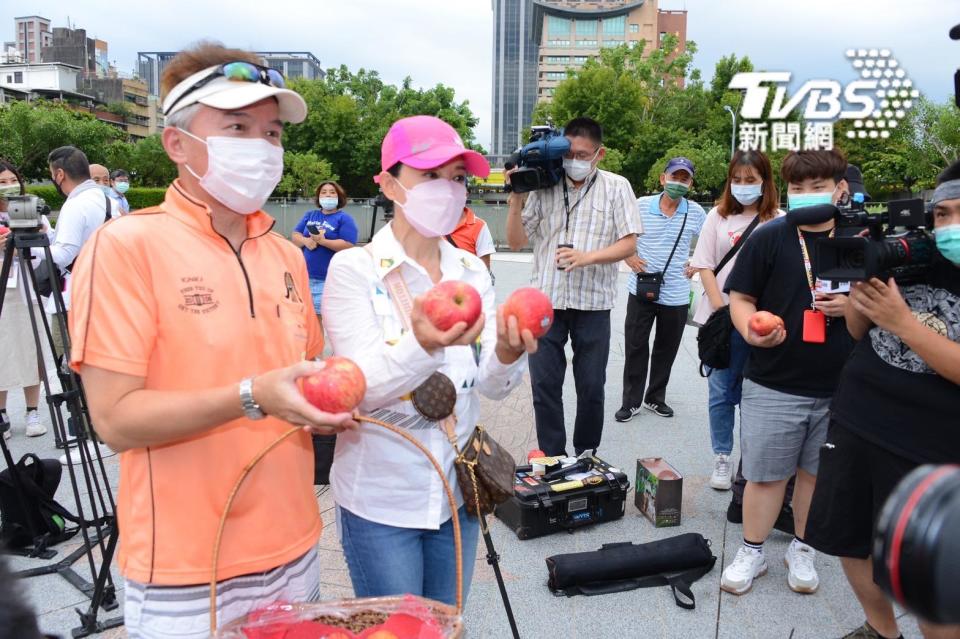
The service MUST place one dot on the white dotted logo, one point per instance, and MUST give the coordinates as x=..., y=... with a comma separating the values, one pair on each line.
x=895, y=92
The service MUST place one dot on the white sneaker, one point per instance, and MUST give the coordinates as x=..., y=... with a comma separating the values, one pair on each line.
x=747, y=565
x=802, y=575
x=721, y=478
x=34, y=427
x=75, y=454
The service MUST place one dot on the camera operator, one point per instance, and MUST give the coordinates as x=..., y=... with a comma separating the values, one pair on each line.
x=896, y=407
x=579, y=229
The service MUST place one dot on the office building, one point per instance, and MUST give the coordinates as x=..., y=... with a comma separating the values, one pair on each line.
x=33, y=33
x=537, y=41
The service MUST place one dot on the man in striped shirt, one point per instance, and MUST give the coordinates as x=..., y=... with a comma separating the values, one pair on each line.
x=670, y=221
x=579, y=229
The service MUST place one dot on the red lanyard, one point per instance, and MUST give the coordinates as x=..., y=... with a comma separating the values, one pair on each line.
x=808, y=268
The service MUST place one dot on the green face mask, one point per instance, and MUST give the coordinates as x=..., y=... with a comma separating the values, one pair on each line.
x=676, y=190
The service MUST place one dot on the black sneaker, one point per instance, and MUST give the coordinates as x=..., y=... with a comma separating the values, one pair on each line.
x=659, y=408
x=626, y=414
x=784, y=521
x=735, y=512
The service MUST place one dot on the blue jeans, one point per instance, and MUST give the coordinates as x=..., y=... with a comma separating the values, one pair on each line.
x=316, y=292
x=388, y=560
x=725, y=385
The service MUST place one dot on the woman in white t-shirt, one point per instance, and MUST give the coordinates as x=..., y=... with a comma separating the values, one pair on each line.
x=750, y=191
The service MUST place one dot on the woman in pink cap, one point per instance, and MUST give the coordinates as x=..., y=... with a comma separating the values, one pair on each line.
x=394, y=520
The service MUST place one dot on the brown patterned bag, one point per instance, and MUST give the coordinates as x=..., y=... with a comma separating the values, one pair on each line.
x=485, y=472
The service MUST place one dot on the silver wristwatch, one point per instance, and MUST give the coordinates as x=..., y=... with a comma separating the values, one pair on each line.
x=250, y=407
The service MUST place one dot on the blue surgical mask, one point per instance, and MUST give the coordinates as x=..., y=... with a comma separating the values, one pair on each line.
x=329, y=203
x=746, y=194
x=121, y=187
x=948, y=242
x=106, y=189
x=802, y=200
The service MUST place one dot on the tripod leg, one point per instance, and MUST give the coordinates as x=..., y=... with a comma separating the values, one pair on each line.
x=494, y=560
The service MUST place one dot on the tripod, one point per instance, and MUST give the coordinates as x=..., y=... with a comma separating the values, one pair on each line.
x=97, y=525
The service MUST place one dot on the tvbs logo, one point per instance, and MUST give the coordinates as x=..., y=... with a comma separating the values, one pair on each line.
x=876, y=102
x=821, y=97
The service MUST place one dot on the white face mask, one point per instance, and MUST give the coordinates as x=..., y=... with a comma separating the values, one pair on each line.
x=329, y=202
x=746, y=194
x=241, y=172
x=578, y=170
x=433, y=208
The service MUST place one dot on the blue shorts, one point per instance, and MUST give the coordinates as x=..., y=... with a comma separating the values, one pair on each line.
x=316, y=292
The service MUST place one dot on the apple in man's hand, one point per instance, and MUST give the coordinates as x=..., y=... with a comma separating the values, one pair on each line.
x=763, y=323
x=338, y=388
x=450, y=302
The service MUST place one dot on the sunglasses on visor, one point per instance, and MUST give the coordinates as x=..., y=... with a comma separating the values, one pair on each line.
x=237, y=72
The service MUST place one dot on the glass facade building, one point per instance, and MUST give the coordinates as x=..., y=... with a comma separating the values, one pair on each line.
x=515, y=71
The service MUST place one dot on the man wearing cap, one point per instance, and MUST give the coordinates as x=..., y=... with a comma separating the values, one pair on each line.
x=191, y=325
x=670, y=221
x=579, y=229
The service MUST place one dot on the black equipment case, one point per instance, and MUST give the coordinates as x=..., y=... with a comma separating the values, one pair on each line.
x=564, y=500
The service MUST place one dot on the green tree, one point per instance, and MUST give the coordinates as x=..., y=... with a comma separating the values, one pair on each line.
x=349, y=113
x=302, y=173
x=32, y=129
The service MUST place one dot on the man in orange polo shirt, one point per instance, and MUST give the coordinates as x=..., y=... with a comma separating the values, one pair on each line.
x=473, y=235
x=191, y=323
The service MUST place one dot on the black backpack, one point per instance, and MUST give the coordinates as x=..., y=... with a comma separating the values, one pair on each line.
x=39, y=479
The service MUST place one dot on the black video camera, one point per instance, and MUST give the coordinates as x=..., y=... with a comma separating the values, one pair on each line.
x=916, y=548
x=883, y=253
x=540, y=161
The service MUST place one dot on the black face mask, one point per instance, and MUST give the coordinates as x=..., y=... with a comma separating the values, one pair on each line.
x=59, y=188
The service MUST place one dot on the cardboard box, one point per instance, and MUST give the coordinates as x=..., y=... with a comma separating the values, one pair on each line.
x=659, y=491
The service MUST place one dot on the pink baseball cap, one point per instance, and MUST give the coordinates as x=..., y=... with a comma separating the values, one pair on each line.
x=425, y=142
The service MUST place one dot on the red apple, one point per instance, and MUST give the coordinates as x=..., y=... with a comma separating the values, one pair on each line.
x=533, y=310
x=337, y=388
x=450, y=302
x=4, y=230
x=763, y=323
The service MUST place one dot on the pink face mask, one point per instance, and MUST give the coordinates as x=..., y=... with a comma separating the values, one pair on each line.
x=433, y=208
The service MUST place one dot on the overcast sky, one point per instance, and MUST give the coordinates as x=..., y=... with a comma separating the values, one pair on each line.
x=449, y=41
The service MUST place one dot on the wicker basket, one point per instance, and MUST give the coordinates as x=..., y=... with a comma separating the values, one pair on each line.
x=446, y=619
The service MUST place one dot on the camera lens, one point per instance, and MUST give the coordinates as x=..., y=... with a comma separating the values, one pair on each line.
x=916, y=554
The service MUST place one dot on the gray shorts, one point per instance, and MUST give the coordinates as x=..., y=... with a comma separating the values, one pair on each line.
x=780, y=433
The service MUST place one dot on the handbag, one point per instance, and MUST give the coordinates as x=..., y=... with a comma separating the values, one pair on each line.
x=675, y=561
x=485, y=470
x=648, y=284
x=713, y=338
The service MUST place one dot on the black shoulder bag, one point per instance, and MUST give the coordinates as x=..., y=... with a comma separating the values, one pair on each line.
x=648, y=284
x=713, y=338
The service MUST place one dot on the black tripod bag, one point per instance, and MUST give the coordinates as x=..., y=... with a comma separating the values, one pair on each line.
x=675, y=561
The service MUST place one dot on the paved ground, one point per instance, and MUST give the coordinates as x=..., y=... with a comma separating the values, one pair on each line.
x=770, y=610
